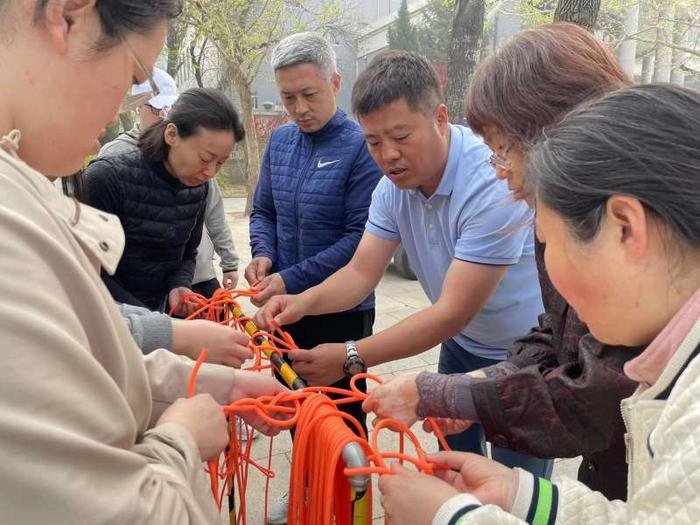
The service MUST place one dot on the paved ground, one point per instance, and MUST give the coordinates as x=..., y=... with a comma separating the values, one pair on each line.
x=397, y=298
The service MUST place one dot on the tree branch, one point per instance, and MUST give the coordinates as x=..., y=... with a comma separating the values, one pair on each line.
x=684, y=49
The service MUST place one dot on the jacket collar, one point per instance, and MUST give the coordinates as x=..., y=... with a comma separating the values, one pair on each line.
x=674, y=368
x=330, y=128
x=648, y=367
x=100, y=234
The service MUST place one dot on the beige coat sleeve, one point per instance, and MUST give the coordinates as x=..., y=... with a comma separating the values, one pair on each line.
x=169, y=375
x=74, y=396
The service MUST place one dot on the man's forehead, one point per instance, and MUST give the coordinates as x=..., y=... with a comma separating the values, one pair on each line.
x=396, y=127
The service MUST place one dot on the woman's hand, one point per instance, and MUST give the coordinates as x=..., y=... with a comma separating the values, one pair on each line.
x=230, y=280
x=448, y=426
x=225, y=346
x=412, y=498
x=488, y=480
x=395, y=399
x=255, y=384
x=177, y=304
x=205, y=420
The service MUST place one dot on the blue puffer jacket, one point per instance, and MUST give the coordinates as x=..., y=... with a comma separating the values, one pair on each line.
x=311, y=202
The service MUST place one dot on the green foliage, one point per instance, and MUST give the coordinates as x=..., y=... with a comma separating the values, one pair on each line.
x=434, y=34
x=244, y=31
x=402, y=34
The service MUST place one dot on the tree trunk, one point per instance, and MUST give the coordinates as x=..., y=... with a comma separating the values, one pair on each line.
x=252, y=151
x=581, y=12
x=647, y=68
x=467, y=33
x=176, y=35
x=680, y=35
x=664, y=34
x=196, y=62
x=627, y=51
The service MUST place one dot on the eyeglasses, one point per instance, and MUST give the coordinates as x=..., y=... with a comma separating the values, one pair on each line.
x=160, y=113
x=149, y=75
x=498, y=161
x=132, y=102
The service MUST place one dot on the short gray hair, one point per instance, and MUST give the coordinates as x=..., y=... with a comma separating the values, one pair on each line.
x=305, y=48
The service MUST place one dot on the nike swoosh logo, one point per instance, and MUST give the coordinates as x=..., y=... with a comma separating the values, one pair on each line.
x=324, y=164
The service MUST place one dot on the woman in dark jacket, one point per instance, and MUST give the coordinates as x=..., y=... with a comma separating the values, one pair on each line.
x=558, y=394
x=159, y=194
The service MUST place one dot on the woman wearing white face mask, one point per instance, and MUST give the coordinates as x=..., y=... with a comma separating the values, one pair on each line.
x=77, y=401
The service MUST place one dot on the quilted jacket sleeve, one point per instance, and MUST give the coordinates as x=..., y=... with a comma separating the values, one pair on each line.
x=263, y=218
x=539, y=501
x=360, y=184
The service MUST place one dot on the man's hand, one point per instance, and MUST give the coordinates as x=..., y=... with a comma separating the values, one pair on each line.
x=225, y=346
x=322, y=365
x=488, y=480
x=281, y=310
x=396, y=399
x=255, y=384
x=257, y=270
x=230, y=280
x=176, y=301
x=270, y=286
x=412, y=498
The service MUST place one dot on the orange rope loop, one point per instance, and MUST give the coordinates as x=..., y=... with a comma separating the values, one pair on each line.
x=320, y=492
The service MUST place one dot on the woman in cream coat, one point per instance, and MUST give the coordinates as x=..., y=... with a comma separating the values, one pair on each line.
x=91, y=431
x=617, y=187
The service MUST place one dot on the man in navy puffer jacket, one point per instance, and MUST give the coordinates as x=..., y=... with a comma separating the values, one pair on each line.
x=313, y=195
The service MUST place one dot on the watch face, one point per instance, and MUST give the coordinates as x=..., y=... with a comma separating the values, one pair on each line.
x=355, y=368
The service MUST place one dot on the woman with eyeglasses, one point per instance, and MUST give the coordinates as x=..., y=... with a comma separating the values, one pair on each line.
x=558, y=392
x=617, y=187
x=92, y=431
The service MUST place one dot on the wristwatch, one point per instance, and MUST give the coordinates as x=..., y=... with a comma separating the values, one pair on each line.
x=354, y=364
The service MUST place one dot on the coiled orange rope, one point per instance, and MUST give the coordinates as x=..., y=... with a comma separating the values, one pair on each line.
x=319, y=487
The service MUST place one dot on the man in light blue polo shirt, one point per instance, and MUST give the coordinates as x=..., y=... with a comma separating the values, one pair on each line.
x=469, y=243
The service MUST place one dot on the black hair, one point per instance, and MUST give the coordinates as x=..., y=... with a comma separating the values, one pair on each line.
x=640, y=141
x=194, y=110
x=121, y=17
x=394, y=75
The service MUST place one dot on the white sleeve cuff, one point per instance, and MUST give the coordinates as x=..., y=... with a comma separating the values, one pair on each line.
x=523, y=498
x=452, y=506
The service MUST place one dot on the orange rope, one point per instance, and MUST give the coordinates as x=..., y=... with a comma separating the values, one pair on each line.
x=319, y=486
x=213, y=463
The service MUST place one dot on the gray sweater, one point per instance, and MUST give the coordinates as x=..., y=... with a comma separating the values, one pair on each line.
x=150, y=330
